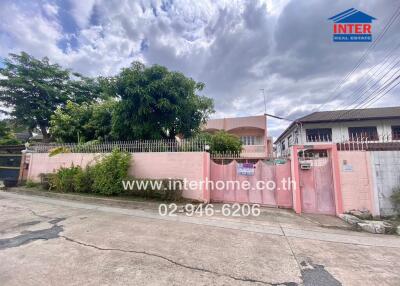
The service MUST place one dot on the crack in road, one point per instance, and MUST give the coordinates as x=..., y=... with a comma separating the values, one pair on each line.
x=245, y=279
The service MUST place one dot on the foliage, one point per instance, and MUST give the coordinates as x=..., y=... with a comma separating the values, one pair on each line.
x=6, y=136
x=58, y=150
x=221, y=142
x=31, y=184
x=167, y=189
x=395, y=198
x=156, y=103
x=63, y=181
x=82, y=122
x=109, y=173
x=34, y=88
x=83, y=180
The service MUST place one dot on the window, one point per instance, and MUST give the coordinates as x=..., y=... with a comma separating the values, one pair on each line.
x=290, y=140
x=251, y=140
x=283, y=146
x=363, y=133
x=319, y=135
x=396, y=132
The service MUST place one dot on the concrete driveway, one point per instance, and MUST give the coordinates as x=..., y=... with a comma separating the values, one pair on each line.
x=48, y=241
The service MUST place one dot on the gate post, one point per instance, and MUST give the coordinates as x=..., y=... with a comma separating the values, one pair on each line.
x=336, y=180
x=296, y=194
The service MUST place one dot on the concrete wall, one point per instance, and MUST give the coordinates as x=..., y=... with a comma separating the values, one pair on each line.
x=179, y=165
x=356, y=181
x=386, y=172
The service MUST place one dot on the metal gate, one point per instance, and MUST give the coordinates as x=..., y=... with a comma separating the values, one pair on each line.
x=264, y=185
x=316, y=186
x=9, y=168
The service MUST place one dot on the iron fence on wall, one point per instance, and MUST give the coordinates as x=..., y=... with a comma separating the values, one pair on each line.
x=139, y=146
x=382, y=142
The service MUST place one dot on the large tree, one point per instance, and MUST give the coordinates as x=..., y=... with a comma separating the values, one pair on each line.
x=82, y=122
x=156, y=103
x=34, y=88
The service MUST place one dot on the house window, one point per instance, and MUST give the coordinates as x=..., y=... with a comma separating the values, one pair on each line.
x=319, y=135
x=290, y=140
x=251, y=140
x=283, y=146
x=369, y=133
x=396, y=132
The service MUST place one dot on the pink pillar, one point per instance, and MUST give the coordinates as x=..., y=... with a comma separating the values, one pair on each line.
x=336, y=180
x=206, y=177
x=296, y=178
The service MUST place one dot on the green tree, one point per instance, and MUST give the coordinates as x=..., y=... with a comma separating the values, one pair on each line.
x=156, y=103
x=34, y=88
x=82, y=122
x=6, y=135
x=222, y=142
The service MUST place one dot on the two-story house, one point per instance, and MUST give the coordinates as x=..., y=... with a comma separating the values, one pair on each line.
x=251, y=130
x=372, y=124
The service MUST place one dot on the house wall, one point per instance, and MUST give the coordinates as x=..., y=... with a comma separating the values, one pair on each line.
x=178, y=165
x=339, y=131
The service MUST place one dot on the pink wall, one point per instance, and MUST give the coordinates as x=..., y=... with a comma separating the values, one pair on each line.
x=356, y=180
x=179, y=165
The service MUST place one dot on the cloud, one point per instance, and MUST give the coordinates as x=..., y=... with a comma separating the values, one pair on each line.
x=235, y=47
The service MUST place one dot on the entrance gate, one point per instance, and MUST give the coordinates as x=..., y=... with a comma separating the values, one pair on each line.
x=316, y=186
x=228, y=179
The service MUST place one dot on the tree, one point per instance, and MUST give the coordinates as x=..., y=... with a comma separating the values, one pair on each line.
x=222, y=142
x=6, y=136
x=156, y=103
x=82, y=122
x=34, y=88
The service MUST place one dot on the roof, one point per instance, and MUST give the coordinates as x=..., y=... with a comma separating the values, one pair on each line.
x=352, y=16
x=347, y=115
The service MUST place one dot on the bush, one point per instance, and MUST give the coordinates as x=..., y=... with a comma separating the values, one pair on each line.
x=83, y=180
x=109, y=173
x=166, y=189
x=222, y=142
x=63, y=181
x=395, y=198
x=31, y=184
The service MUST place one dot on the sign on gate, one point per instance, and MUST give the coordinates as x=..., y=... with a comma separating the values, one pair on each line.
x=246, y=169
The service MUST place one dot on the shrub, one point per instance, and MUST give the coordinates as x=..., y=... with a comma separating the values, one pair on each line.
x=31, y=184
x=395, y=198
x=225, y=142
x=83, y=180
x=164, y=190
x=109, y=173
x=63, y=181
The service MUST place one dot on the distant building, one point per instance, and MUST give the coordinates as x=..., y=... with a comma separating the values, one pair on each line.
x=251, y=130
x=372, y=124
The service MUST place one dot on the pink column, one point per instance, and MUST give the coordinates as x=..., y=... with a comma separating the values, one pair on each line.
x=296, y=178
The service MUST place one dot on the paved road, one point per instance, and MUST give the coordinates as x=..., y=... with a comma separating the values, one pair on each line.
x=46, y=241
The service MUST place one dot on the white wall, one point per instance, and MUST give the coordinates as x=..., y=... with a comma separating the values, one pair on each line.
x=339, y=130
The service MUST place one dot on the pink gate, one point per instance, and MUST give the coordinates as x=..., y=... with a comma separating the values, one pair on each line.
x=269, y=184
x=316, y=186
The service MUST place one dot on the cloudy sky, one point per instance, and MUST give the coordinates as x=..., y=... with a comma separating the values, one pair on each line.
x=235, y=47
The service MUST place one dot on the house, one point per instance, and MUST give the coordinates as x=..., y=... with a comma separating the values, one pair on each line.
x=251, y=130
x=372, y=125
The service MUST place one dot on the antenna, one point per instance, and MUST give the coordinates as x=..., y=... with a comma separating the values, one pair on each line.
x=265, y=101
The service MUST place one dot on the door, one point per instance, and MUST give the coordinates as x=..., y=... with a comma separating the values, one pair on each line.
x=317, y=189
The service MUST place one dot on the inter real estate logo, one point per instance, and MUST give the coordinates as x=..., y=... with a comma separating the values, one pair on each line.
x=352, y=26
